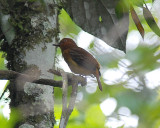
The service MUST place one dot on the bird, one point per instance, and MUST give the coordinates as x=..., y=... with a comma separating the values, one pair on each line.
x=79, y=60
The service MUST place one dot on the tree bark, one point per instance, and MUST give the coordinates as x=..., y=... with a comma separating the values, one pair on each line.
x=30, y=28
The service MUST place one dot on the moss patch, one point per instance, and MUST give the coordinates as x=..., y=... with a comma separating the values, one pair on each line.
x=27, y=34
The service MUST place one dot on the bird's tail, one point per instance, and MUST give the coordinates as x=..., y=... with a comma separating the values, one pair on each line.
x=98, y=80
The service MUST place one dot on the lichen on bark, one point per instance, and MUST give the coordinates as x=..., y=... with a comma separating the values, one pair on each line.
x=35, y=28
x=32, y=27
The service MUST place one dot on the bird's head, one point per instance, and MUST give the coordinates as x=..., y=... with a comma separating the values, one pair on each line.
x=66, y=43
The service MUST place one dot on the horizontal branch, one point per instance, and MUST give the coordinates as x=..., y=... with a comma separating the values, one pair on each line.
x=9, y=75
x=48, y=82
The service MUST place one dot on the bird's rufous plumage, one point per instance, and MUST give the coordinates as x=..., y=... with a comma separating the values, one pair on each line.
x=79, y=60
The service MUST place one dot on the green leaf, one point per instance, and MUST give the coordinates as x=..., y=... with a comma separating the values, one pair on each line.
x=143, y=58
x=91, y=45
x=67, y=26
x=137, y=21
x=76, y=125
x=100, y=19
x=121, y=126
x=14, y=118
x=138, y=3
x=57, y=111
x=156, y=124
x=20, y=25
x=74, y=114
x=151, y=21
x=2, y=65
x=94, y=117
x=121, y=8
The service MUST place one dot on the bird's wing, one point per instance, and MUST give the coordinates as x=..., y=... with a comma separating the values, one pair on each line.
x=83, y=58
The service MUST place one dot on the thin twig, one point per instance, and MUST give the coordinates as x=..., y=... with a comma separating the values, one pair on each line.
x=64, y=99
x=66, y=111
x=72, y=101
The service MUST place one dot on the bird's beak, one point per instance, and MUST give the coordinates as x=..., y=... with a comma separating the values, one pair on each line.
x=57, y=45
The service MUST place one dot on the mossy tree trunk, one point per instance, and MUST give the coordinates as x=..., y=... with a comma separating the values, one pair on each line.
x=30, y=28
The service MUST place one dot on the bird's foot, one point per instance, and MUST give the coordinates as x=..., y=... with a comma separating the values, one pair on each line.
x=92, y=75
x=81, y=76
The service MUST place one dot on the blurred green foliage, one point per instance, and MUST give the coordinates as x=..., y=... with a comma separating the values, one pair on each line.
x=142, y=101
x=10, y=123
x=2, y=65
x=91, y=118
x=67, y=26
x=144, y=58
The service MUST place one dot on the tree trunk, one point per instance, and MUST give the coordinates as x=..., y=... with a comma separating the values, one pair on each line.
x=30, y=29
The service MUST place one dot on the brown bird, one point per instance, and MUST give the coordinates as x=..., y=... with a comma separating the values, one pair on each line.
x=79, y=60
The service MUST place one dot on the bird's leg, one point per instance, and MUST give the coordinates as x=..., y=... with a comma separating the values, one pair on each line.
x=81, y=76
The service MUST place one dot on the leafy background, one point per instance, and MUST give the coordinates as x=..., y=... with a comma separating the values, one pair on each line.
x=134, y=98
